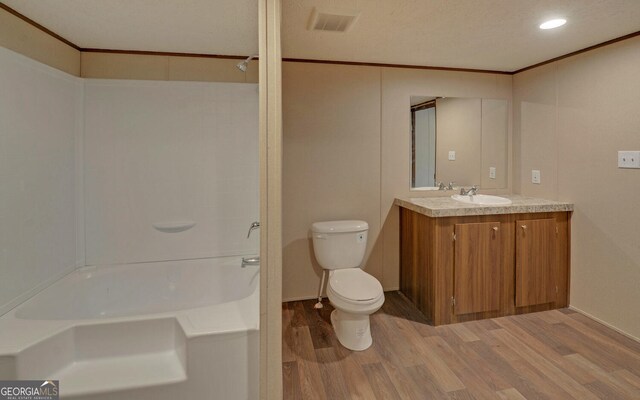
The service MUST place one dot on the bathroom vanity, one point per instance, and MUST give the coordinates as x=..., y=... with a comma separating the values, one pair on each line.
x=461, y=262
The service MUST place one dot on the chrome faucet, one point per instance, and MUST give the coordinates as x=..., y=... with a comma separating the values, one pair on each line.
x=469, y=192
x=443, y=186
x=254, y=225
x=251, y=260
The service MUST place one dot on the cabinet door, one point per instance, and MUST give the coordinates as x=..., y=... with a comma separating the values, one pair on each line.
x=536, y=262
x=477, y=267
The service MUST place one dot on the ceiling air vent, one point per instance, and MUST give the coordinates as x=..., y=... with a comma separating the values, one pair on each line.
x=332, y=20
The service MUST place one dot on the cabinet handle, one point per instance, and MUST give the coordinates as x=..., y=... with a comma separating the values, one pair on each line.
x=495, y=229
x=523, y=227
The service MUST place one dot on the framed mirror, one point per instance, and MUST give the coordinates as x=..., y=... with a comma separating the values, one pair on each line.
x=458, y=139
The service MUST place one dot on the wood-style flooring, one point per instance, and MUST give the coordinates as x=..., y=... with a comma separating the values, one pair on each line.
x=556, y=354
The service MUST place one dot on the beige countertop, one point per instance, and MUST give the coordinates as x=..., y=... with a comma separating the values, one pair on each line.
x=447, y=207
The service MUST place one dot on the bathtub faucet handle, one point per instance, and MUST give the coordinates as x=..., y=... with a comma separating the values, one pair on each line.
x=254, y=225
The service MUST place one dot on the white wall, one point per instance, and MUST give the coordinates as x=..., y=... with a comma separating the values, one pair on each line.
x=170, y=151
x=40, y=108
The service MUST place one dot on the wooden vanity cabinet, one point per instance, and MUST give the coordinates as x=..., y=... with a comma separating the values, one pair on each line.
x=458, y=269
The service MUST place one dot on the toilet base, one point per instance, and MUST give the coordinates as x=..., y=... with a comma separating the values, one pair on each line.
x=352, y=330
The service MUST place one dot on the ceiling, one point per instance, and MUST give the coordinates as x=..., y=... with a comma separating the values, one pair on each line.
x=498, y=35
x=482, y=34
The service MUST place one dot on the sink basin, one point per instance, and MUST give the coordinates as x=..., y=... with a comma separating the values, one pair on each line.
x=482, y=200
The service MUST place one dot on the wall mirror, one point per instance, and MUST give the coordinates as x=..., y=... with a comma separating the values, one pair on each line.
x=458, y=139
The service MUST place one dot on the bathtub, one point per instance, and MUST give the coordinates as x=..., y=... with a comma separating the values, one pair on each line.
x=162, y=330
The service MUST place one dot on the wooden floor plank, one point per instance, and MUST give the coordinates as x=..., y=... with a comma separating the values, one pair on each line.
x=334, y=382
x=540, y=330
x=629, y=377
x=511, y=394
x=470, y=377
x=380, y=382
x=359, y=386
x=439, y=369
x=500, y=365
x=311, y=384
x=319, y=321
x=548, y=317
x=298, y=314
x=287, y=341
x=545, y=351
x=559, y=354
x=544, y=366
x=580, y=342
x=402, y=382
x=461, y=395
x=401, y=342
x=424, y=383
x=464, y=333
x=619, y=385
x=291, y=381
x=607, y=332
x=606, y=341
x=476, y=363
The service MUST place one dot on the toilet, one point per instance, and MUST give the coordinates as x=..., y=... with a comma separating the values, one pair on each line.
x=339, y=247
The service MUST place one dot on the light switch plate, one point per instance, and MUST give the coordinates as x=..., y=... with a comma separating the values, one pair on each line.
x=535, y=176
x=629, y=159
x=452, y=155
x=492, y=172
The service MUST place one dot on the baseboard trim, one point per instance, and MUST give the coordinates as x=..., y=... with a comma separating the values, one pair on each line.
x=300, y=298
x=608, y=325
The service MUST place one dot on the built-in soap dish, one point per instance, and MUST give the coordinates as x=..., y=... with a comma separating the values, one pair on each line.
x=174, y=226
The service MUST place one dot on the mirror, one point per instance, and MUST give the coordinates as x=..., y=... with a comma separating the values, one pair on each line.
x=458, y=139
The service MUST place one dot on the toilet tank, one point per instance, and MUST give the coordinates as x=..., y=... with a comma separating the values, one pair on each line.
x=339, y=244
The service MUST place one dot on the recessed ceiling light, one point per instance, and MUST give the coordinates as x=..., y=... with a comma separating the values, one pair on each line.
x=553, y=23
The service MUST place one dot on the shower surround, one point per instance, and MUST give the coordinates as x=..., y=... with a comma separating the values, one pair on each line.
x=138, y=194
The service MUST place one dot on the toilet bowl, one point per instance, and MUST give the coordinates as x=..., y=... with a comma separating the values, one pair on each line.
x=339, y=247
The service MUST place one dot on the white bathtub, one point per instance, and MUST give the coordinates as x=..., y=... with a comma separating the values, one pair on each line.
x=165, y=330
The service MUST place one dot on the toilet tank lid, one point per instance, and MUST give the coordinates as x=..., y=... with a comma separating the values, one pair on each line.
x=339, y=226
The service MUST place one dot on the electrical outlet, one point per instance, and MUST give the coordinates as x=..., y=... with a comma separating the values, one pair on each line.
x=492, y=172
x=452, y=155
x=535, y=176
x=629, y=159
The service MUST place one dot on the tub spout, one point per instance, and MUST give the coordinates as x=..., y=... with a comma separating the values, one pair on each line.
x=250, y=261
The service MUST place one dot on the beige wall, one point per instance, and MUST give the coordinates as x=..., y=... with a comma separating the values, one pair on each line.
x=23, y=38
x=159, y=67
x=571, y=118
x=495, y=141
x=347, y=147
x=331, y=162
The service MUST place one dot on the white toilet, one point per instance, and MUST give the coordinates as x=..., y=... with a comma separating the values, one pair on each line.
x=339, y=247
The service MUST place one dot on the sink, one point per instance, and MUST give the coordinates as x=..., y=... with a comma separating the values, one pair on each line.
x=482, y=200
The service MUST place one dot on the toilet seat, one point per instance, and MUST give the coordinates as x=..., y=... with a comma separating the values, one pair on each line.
x=355, y=286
